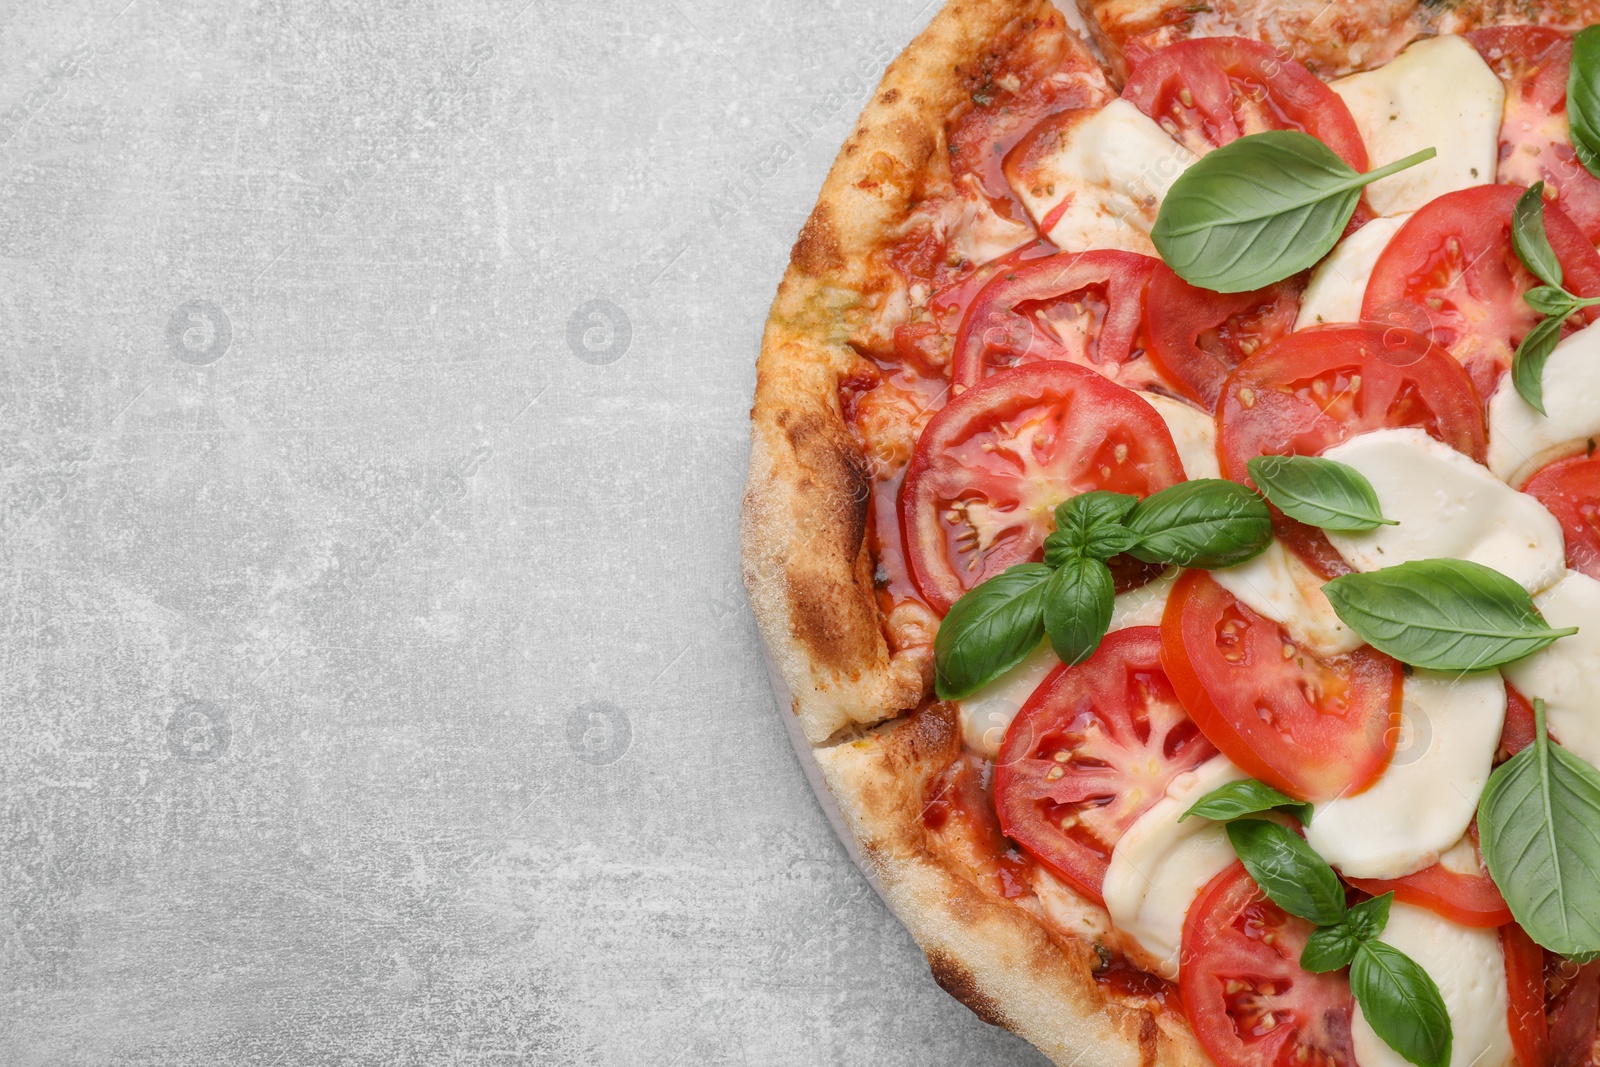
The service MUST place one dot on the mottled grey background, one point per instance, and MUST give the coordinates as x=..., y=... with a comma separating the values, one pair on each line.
x=376, y=683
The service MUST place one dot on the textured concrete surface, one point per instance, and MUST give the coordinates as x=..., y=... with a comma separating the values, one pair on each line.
x=376, y=686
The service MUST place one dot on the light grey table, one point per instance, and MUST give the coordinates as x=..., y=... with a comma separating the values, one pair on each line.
x=376, y=683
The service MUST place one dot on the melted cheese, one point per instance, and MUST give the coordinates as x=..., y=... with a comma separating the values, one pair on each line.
x=1193, y=432
x=1520, y=439
x=1420, y=806
x=1447, y=506
x=1278, y=586
x=1340, y=281
x=1160, y=865
x=1566, y=674
x=1440, y=94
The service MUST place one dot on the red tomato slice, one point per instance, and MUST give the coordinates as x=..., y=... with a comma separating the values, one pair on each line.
x=1209, y=91
x=1318, y=387
x=1451, y=272
x=1535, y=142
x=1312, y=727
x=1570, y=488
x=1530, y=1031
x=1093, y=749
x=1198, y=337
x=1468, y=899
x=1573, y=1012
x=991, y=466
x=1517, y=733
x=1250, y=1003
x=1084, y=306
x=929, y=342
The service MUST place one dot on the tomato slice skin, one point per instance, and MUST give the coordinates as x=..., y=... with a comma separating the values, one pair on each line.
x=1209, y=91
x=1570, y=489
x=1095, y=746
x=1535, y=143
x=1198, y=337
x=1574, y=1013
x=1471, y=900
x=1246, y=996
x=1530, y=1030
x=992, y=465
x=1318, y=387
x=1246, y=685
x=1104, y=289
x=1451, y=272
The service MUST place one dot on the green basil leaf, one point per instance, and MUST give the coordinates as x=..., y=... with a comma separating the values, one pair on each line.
x=1444, y=614
x=1260, y=209
x=1077, y=608
x=1401, y=1003
x=1207, y=522
x=1583, y=98
x=1329, y=948
x=1548, y=300
x=1539, y=831
x=1319, y=492
x=1247, y=797
x=1292, y=875
x=1527, y=363
x=1368, y=918
x=990, y=630
x=1529, y=239
x=1090, y=524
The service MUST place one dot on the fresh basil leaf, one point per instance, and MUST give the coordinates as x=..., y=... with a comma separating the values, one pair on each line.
x=1077, y=608
x=1583, y=98
x=1247, y=797
x=1329, y=948
x=1207, y=522
x=1529, y=239
x=1260, y=209
x=1319, y=492
x=1368, y=918
x=1090, y=524
x=1292, y=875
x=990, y=630
x=1539, y=831
x=1401, y=1003
x=1444, y=614
x=1527, y=363
x=1548, y=300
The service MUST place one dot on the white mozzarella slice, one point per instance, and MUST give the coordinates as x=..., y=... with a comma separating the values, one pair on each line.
x=1564, y=675
x=1277, y=585
x=975, y=230
x=1470, y=971
x=1447, y=506
x=1193, y=431
x=1520, y=439
x=1108, y=172
x=1160, y=865
x=1439, y=94
x=1421, y=805
x=1340, y=281
x=987, y=714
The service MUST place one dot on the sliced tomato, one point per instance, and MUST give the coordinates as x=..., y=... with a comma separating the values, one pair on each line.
x=1209, y=91
x=1246, y=996
x=991, y=466
x=1530, y=1031
x=1452, y=273
x=1535, y=142
x=929, y=342
x=1093, y=748
x=1468, y=899
x=1570, y=489
x=1572, y=1004
x=1321, y=386
x=1520, y=724
x=1083, y=306
x=1312, y=727
x=1198, y=337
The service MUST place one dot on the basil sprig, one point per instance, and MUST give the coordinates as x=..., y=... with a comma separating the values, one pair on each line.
x=1319, y=492
x=1539, y=832
x=1399, y=1000
x=1532, y=243
x=1260, y=209
x=1583, y=98
x=1246, y=797
x=1443, y=614
x=1070, y=596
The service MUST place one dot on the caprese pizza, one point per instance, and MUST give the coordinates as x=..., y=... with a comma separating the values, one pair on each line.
x=1174, y=511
